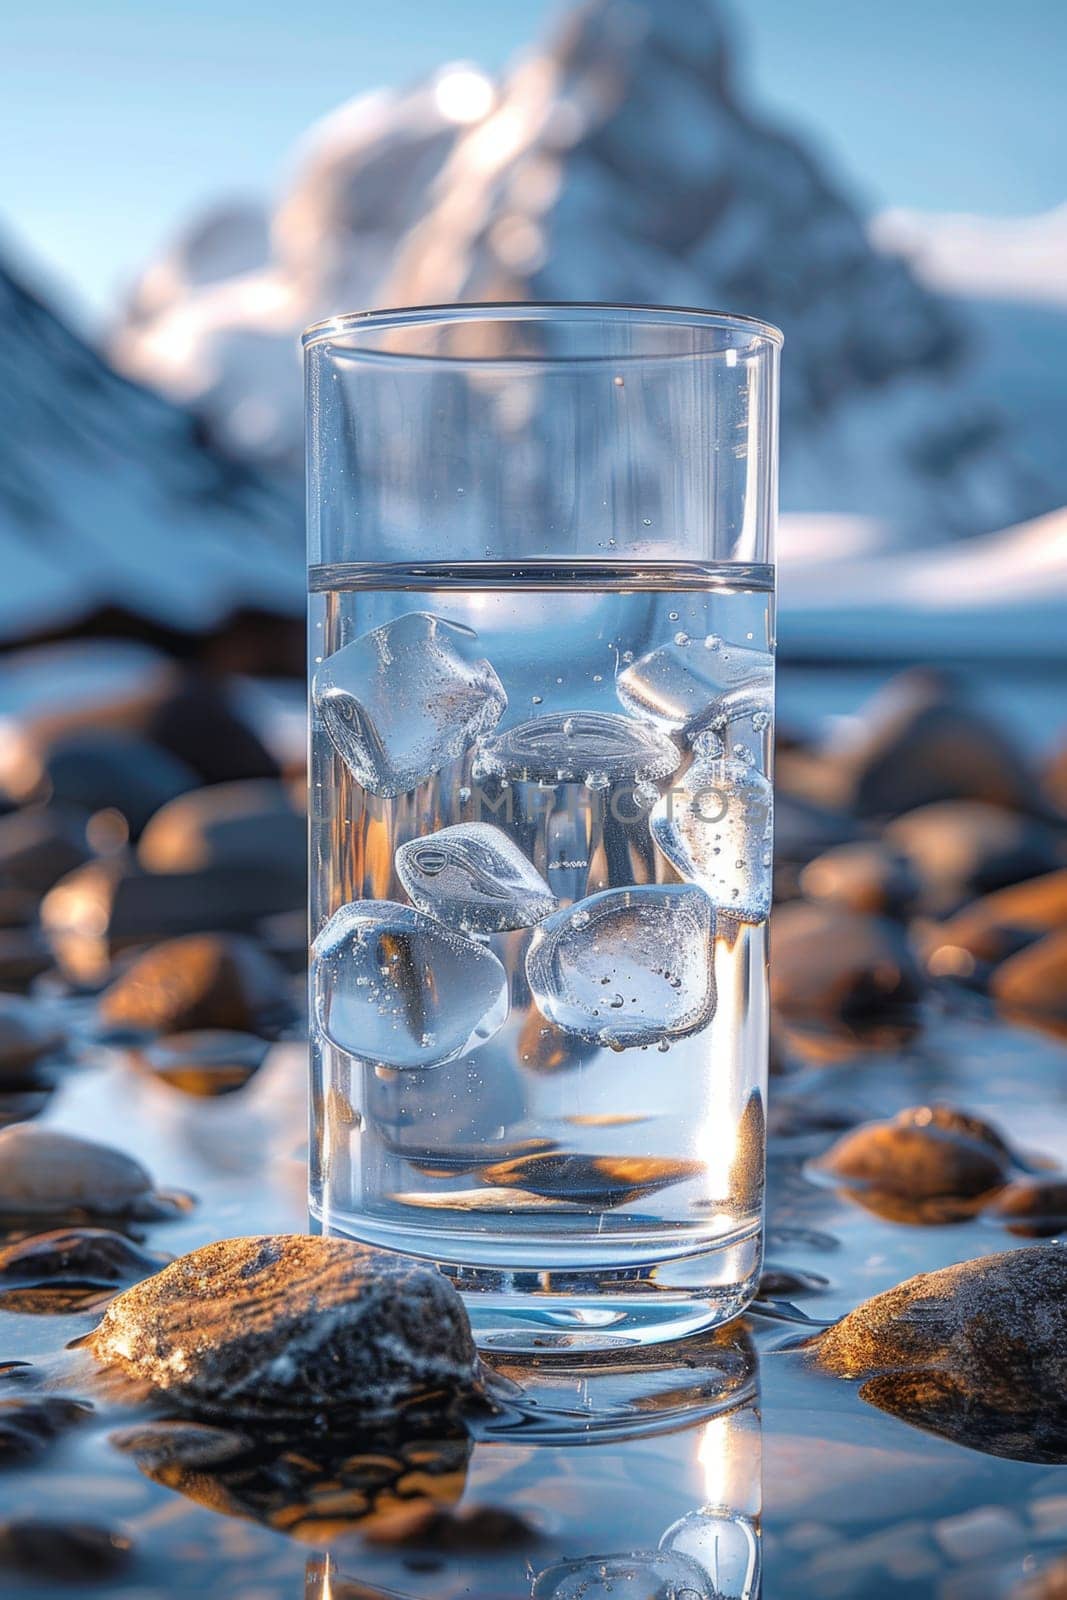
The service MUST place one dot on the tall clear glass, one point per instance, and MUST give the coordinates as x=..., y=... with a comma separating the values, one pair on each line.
x=541, y=659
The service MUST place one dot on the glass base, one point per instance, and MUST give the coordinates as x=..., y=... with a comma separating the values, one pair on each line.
x=593, y=1308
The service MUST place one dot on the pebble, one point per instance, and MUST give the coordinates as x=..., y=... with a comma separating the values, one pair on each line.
x=920, y=741
x=30, y=1422
x=590, y=1180
x=475, y=1530
x=832, y=962
x=1048, y=1584
x=976, y=1352
x=99, y=769
x=959, y=849
x=1034, y=1207
x=252, y=824
x=95, y=1257
x=923, y=1153
x=1034, y=980
x=195, y=720
x=288, y=1326
x=39, y=845
x=867, y=876
x=203, y=981
x=997, y=925
x=64, y=1551
x=47, y=1173
x=204, y=1062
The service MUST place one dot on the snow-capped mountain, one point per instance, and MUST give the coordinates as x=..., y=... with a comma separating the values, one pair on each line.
x=622, y=161
x=112, y=500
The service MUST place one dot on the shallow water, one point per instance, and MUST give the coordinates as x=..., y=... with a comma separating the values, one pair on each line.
x=728, y=1447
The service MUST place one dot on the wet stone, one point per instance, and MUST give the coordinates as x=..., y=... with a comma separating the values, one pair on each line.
x=924, y=1154
x=715, y=829
x=79, y=1257
x=475, y=1530
x=27, y=1036
x=866, y=876
x=29, y=1423
x=204, y=981
x=976, y=1352
x=394, y=986
x=39, y=845
x=997, y=925
x=628, y=966
x=836, y=963
x=1032, y=1207
x=50, y=1548
x=964, y=848
x=253, y=824
x=596, y=748
x=697, y=685
x=789, y=1283
x=1034, y=980
x=99, y=769
x=46, y=1173
x=287, y=1327
x=404, y=700
x=474, y=878
x=204, y=1063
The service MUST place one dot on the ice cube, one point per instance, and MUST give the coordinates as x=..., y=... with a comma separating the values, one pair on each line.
x=627, y=966
x=715, y=827
x=596, y=748
x=699, y=685
x=401, y=702
x=394, y=987
x=473, y=877
x=722, y=1543
x=642, y=1575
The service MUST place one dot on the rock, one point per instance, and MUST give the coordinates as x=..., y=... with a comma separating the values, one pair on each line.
x=207, y=980
x=1033, y=982
x=49, y=1548
x=106, y=906
x=920, y=741
x=27, y=1036
x=22, y=1105
x=205, y=1063
x=866, y=877
x=287, y=1327
x=1054, y=780
x=1034, y=1207
x=30, y=1422
x=98, y=769
x=786, y=1283
x=802, y=831
x=475, y=1530
x=977, y=1352
x=46, y=1173
x=76, y=1257
x=997, y=925
x=253, y=824
x=964, y=848
x=40, y=845
x=830, y=962
x=197, y=722
x=922, y=1155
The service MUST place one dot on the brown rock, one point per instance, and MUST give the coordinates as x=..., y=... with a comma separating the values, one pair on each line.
x=30, y=1422
x=286, y=1327
x=253, y=824
x=45, y=1173
x=205, y=1063
x=1034, y=980
x=995, y=926
x=920, y=741
x=208, y=980
x=1034, y=1207
x=830, y=962
x=866, y=876
x=476, y=1530
x=39, y=845
x=1048, y=1584
x=964, y=848
x=977, y=1352
x=589, y=1180
x=52, y=1548
x=76, y=1257
x=924, y=1153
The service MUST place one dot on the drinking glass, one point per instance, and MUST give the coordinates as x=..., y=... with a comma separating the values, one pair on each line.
x=541, y=701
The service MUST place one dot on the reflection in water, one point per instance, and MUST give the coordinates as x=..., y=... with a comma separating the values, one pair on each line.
x=634, y=1484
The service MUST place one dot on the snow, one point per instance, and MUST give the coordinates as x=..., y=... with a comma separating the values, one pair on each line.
x=991, y=258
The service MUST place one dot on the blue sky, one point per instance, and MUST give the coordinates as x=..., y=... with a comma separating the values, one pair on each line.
x=120, y=117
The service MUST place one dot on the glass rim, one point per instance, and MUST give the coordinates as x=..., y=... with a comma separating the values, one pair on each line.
x=383, y=319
